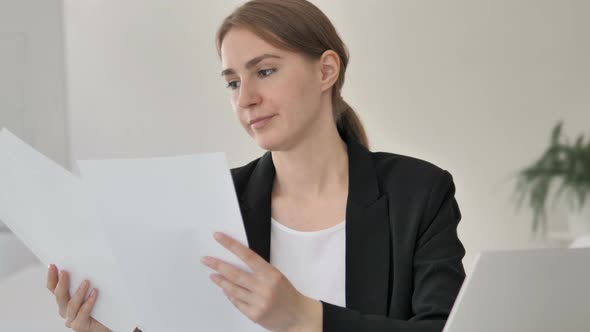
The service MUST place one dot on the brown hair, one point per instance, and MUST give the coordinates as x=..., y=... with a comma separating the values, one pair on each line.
x=299, y=26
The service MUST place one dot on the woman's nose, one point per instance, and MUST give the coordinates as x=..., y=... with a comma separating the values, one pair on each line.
x=248, y=95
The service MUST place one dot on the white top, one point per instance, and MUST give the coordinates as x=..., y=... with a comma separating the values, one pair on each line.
x=314, y=262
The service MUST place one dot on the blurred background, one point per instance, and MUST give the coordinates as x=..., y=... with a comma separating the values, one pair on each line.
x=475, y=87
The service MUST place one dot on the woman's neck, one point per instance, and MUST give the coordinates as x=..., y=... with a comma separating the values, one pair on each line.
x=315, y=167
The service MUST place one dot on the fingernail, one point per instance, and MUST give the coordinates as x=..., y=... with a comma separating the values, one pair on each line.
x=84, y=284
x=217, y=236
x=206, y=260
x=93, y=292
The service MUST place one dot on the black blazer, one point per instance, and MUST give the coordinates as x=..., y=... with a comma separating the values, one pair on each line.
x=403, y=256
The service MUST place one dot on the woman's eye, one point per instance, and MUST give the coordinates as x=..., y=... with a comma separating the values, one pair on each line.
x=266, y=72
x=261, y=73
x=233, y=85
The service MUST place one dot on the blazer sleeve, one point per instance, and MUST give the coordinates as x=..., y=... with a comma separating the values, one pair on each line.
x=438, y=272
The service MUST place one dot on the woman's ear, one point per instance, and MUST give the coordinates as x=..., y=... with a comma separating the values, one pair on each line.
x=329, y=69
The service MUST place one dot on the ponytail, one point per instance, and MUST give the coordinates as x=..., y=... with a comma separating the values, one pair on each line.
x=348, y=123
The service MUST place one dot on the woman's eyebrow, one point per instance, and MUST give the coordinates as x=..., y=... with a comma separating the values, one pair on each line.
x=250, y=63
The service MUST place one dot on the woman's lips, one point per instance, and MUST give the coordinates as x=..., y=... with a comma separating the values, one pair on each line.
x=260, y=122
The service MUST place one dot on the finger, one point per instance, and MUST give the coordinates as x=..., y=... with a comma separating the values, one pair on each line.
x=75, y=302
x=62, y=292
x=83, y=317
x=232, y=273
x=240, y=305
x=52, y=278
x=254, y=262
x=231, y=289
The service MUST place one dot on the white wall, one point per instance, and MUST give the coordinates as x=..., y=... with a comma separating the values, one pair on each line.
x=144, y=80
x=32, y=95
x=473, y=86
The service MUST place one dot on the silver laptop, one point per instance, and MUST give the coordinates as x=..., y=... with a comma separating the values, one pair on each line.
x=546, y=290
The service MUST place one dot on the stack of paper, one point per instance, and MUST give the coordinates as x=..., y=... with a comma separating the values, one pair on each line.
x=136, y=228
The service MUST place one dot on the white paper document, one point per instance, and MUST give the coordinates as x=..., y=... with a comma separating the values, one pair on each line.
x=161, y=214
x=136, y=228
x=47, y=208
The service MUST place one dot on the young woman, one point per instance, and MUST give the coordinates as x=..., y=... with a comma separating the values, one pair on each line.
x=340, y=238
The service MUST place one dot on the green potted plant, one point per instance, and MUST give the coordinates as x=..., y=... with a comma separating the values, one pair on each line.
x=566, y=164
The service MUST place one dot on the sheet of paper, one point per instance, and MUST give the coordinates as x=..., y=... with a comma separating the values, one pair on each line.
x=46, y=207
x=160, y=215
x=172, y=289
x=193, y=191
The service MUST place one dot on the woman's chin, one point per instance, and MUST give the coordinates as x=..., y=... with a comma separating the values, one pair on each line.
x=266, y=145
x=269, y=143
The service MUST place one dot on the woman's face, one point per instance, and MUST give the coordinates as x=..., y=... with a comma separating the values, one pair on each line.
x=275, y=94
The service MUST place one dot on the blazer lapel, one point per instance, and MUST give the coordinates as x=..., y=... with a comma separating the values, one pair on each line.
x=256, y=208
x=368, y=246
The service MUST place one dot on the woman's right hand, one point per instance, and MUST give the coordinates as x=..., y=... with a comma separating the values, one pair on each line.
x=75, y=310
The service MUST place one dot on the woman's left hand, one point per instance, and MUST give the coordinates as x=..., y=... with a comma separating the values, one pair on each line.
x=265, y=295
